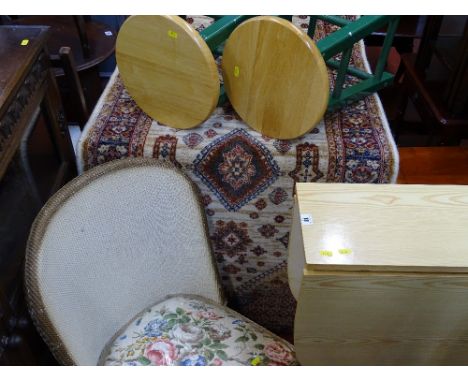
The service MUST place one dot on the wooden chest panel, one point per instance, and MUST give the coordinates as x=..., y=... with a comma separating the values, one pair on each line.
x=392, y=287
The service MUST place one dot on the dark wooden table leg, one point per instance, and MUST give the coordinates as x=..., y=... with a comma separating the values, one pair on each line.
x=59, y=133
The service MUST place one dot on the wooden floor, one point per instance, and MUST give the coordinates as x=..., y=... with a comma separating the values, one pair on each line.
x=433, y=165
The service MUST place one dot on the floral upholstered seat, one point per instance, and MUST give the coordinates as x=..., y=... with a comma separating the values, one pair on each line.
x=194, y=331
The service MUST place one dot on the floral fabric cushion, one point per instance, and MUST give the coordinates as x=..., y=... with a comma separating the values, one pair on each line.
x=194, y=331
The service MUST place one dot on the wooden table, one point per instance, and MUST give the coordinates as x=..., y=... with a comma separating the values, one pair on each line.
x=64, y=32
x=433, y=165
x=381, y=274
x=441, y=100
x=28, y=98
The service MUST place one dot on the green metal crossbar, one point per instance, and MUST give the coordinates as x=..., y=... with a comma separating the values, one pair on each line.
x=350, y=34
x=360, y=90
x=351, y=70
x=337, y=20
x=340, y=41
x=219, y=31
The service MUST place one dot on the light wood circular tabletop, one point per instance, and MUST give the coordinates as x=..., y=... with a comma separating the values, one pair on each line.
x=168, y=69
x=275, y=77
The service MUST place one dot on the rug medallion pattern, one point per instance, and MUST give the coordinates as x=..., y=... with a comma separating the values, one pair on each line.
x=236, y=168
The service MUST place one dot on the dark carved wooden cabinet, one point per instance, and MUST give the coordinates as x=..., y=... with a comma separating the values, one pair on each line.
x=30, y=107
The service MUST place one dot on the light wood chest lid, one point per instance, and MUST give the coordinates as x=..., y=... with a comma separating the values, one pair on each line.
x=168, y=69
x=401, y=228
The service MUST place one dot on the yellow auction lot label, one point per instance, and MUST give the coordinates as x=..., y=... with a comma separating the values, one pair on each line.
x=341, y=251
x=172, y=34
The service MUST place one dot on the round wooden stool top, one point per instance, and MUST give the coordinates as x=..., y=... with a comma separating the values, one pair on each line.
x=168, y=69
x=275, y=77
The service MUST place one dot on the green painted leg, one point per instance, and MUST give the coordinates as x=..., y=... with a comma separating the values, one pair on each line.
x=215, y=36
x=340, y=77
x=343, y=40
x=386, y=47
x=222, y=96
x=220, y=30
x=335, y=20
x=312, y=26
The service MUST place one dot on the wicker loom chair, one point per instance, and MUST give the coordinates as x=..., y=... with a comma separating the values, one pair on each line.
x=117, y=240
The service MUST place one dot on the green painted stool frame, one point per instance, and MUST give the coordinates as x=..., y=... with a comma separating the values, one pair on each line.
x=343, y=40
x=215, y=36
x=340, y=41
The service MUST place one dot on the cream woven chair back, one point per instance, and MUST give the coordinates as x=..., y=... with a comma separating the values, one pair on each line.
x=110, y=243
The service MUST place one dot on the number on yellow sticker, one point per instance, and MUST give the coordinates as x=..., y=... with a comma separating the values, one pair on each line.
x=236, y=71
x=24, y=42
x=324, y=252
x=345, y=251
x=172, y=34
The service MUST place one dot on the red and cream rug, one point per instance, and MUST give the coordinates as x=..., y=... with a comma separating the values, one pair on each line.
x=247, y=179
